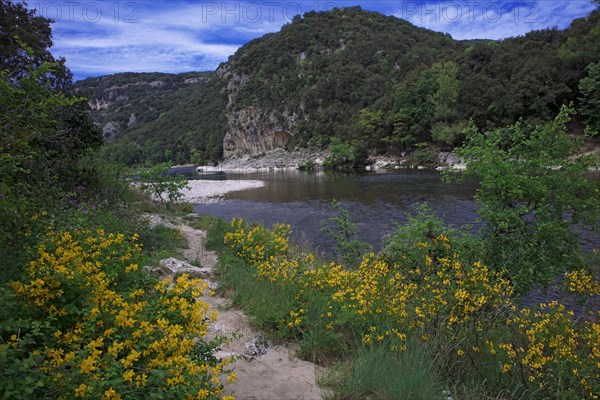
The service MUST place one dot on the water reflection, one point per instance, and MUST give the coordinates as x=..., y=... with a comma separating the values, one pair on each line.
x=376, y=201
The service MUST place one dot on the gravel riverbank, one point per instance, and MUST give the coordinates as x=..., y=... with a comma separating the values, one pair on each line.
x=208, y=191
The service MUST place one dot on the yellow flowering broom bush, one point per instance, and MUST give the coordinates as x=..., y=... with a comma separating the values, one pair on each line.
x=108, y=330
x=465, y=310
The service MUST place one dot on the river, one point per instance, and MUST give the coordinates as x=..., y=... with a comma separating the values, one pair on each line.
x=377, y=201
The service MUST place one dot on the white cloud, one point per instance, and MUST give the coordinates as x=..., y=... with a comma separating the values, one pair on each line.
x=492, y=19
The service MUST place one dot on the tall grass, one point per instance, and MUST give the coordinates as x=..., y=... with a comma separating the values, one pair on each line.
x=376, y=373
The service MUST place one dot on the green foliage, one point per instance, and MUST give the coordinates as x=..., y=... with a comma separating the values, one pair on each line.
x=348, y=249
x=423, y=156
x=404, y=245
x=443, y=318
x=79, y=318
x=108, y=328
x=358, y=76
x=25, y=39
x=444, y=100
x=267, y=303
x=344, y=155
x=451, y=134
x=590, y=100
x=532, y=192
x=157, y=182
x=341, y=154
x=307, y=165
x=157, y=117
x=44, y=132
x=375, y=372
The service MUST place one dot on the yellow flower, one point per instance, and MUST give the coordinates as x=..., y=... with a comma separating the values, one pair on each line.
x=111, y=394
x=80, y=391
x=128, y=375
x=231, y=378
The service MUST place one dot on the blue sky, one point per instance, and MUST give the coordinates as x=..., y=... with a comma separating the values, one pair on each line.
x=104, y=37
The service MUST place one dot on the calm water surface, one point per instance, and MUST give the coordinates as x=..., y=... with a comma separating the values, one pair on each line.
x=376, y=201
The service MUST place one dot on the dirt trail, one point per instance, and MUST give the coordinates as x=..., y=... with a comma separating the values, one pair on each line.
x=276, y=375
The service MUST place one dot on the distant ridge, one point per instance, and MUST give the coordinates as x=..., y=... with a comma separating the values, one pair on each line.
x=374, y=82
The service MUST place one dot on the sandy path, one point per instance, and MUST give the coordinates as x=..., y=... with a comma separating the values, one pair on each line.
x=277, y=375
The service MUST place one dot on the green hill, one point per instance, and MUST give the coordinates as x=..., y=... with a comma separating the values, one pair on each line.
x=374, y=82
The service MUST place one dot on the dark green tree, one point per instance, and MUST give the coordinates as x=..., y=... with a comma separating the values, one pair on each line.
x=24, y=42
x=590, y=97
x=445, y=97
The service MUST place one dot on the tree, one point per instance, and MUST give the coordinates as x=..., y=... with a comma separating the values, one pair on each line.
x=372, y=125
x=445, y=98
x=157, y=182
x=24, y=42
x=349, y=250
x=44, y=130
x=451, y=134
x=532, y=194
x=590, y=99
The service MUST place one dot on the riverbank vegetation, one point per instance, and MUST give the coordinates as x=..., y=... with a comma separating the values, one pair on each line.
x=439, y=313
x=80, y=317
x=419, y=320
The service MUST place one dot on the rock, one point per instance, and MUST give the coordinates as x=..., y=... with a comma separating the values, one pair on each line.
x=256, y=347
x=452, y=159
x=195, y=80
x=110, y=129
x=253, y=132
x=173, y=266
x=99, y=104
x=132, y=121
x=212, y=285
x=443, y=156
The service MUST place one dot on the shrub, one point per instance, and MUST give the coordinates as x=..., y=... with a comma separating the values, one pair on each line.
x=462, y=311
x=93, y=325
x=158, y=183
x=348, y=249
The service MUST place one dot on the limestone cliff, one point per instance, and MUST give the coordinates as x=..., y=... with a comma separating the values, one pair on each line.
x=252, y=130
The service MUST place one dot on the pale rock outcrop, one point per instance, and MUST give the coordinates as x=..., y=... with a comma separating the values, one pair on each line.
x=254, y=132
x=132, y=121
x=99, y=104
x=173, y=267
x=110, y=129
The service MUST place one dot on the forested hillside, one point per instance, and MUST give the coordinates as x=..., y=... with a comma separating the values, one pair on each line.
x=157, y=116
x=375, y=83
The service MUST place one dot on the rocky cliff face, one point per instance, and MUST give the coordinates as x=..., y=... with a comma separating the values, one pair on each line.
x=252, y=131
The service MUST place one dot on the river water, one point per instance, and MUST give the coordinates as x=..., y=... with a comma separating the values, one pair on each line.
x=376, y=201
